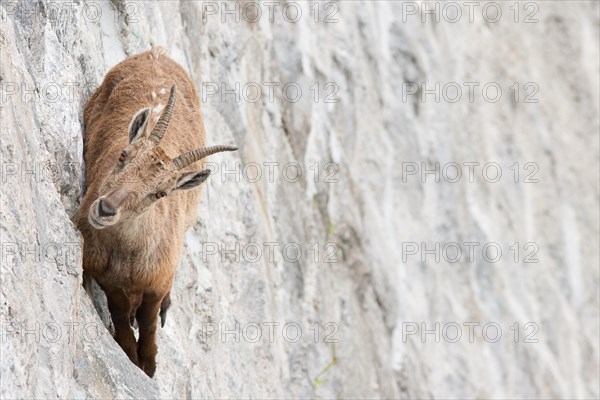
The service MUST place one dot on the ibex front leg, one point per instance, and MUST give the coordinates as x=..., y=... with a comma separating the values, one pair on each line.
x=120, y=309
x=147, y=316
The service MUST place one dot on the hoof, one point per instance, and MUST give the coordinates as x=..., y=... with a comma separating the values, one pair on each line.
x=148, y=367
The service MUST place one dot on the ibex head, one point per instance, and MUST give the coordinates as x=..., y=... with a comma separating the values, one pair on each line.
x=144, y=173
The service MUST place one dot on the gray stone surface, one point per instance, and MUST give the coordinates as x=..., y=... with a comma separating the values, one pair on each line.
x=54, y=342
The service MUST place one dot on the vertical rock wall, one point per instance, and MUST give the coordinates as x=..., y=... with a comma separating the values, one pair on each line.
x=363, y=215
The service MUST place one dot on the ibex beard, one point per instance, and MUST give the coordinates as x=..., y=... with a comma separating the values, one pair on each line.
x=140, y=149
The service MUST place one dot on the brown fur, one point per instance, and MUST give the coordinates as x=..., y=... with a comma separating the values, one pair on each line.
x=134, y=259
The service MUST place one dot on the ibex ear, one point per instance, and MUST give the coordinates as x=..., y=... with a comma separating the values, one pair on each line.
x=192, y=179
x=137, y=125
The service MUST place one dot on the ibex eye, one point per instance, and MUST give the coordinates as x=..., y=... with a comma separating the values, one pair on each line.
x=161, y=194
x=123, y=156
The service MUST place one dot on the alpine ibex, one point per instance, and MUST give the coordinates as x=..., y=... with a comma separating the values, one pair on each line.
x=141, y=192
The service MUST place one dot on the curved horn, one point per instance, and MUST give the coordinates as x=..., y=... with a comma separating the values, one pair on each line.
x=191, y=157
x=161, y=126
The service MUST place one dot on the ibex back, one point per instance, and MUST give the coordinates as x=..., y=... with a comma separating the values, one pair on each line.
x=143, y=134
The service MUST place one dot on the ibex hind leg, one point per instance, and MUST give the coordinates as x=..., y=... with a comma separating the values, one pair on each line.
x=119, y=306
x=164, y=307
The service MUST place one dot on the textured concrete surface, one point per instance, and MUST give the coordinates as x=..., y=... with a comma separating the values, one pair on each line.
x=367, y=226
